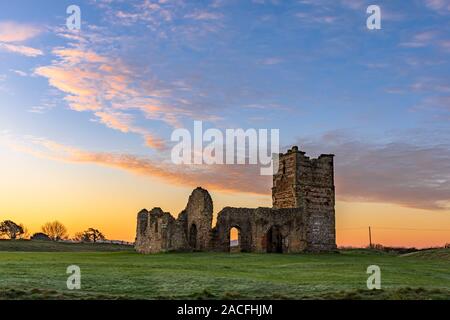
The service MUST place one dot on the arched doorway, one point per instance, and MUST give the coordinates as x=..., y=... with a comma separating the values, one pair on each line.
x=274, y=240
x=235, y=239
x=193, y=236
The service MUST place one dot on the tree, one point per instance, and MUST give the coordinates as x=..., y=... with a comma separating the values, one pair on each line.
x=89, y=235
x=10, y=229
x=55, y=230
x=25, y=234
x=79, y=236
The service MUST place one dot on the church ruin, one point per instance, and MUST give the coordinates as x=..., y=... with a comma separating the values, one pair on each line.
x=302, y=217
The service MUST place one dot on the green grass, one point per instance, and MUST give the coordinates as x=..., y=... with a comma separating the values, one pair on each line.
x=128, y=275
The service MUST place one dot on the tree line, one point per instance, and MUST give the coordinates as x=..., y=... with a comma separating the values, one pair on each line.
x=55, y=231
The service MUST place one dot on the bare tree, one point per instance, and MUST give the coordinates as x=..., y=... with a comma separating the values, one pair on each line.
x=10, y=229
x=79, y=237
x=55, y=230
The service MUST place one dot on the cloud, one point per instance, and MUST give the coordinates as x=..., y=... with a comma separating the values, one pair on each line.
x=354, y=4
x=431, y=38
x=204, y=15
x=178, y=20
x=15, y=32
x=154, y=142
x=118, y=93
x=237, y=178
x=101, y=84
x=403, y=173
x=421, y=39
x=410, y=175
x=19, y=72
x=23, y=50
x=115, y=120
x=12, y=33
x=438, y=5
x=445, y=44
x=271, y=61
x=316, y=18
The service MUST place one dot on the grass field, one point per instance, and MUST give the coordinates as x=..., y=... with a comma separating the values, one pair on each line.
x=124, y=274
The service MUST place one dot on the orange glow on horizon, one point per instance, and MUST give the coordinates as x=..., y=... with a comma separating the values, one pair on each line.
x=34, y=191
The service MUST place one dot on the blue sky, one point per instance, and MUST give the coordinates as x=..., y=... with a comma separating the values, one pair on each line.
x=308, y=67
x=139, y=69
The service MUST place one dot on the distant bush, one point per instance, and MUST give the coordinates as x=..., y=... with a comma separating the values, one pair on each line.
x=399, y=250
x=40, y=236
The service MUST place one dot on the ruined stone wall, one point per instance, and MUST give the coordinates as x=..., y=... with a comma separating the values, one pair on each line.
x=227, y=218
x=302, y=217
x=199, y=213
x=319, y=192
x=158, y=231
x=288, y=223
x=284, y=182
x=255, y=225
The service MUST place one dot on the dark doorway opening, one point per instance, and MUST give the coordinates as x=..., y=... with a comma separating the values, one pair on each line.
x=274, y=240
x=193, y=236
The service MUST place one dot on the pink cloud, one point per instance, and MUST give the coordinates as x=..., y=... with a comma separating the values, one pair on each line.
x=15, y=32
x=237, y=178
x=400, y=173
x=103, y=85
x=115, y=120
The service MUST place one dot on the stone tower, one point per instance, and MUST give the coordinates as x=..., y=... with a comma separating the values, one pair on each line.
x=307, y=184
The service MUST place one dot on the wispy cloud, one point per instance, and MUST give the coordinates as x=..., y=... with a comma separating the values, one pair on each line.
x=12, y=33
x=102, y=84
x=19, y=72
x=441, y=6
x=421, y=39
x=270, y=61
x=204, y=15
x=238, y=178
x=401, y=173
x=23, y=50
x=16, y=32
x=314, y=18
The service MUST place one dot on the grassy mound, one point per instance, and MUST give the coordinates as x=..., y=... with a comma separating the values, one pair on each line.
x=52, y=246
x=439, y=254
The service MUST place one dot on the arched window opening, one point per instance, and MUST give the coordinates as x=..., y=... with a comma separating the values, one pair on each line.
x=235, y=240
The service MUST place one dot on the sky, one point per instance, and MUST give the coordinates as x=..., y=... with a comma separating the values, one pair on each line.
x=86, y=116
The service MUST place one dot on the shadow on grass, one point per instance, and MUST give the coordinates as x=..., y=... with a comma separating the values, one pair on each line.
x=360, y=294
